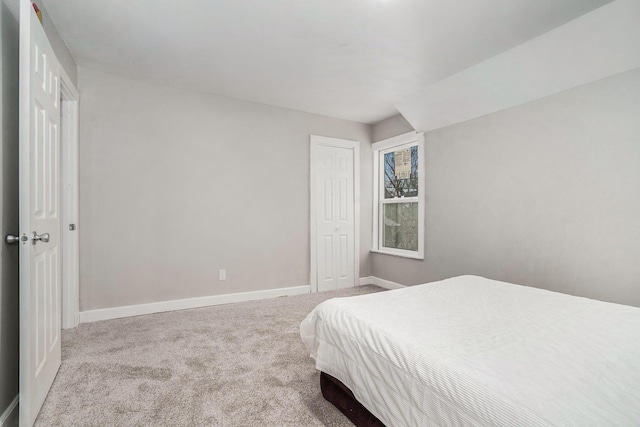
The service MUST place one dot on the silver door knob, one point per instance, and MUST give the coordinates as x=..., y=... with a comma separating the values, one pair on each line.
x=44, y=237
x=12, y=239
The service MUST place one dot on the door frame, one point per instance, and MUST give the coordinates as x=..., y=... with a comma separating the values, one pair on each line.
x=69, y=182
x=315, y=142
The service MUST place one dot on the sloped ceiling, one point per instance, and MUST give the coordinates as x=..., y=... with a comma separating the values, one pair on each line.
x=350, y=59
x=597, y=45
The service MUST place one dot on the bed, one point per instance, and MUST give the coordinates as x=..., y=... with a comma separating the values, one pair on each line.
x=470, y=351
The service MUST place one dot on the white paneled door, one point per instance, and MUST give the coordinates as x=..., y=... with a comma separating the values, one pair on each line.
x=335, y=243
x=40, y=274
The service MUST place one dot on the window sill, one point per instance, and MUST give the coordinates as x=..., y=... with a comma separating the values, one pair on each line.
x=417, y=256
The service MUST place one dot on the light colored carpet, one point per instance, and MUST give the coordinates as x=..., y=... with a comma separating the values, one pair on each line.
x=231, y=365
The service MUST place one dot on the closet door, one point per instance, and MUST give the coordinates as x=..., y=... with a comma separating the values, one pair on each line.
x=335, y=225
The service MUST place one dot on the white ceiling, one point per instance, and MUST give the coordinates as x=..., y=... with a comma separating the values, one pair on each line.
x=350, y=59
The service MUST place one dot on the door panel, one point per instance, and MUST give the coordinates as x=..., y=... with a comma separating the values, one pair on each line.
x=335, y=218
x=326, y=268
x=40, y=274
x=344, y=256
x=328, y=199
x=327, y=261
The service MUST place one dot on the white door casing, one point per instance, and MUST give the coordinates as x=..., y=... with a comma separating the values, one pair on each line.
x=69, y=202
x=334, y=213
x=40, y=213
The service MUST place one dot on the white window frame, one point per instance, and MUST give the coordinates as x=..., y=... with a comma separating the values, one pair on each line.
x=379, y=149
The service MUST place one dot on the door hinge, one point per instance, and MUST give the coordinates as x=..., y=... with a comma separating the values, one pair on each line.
x=72, y=227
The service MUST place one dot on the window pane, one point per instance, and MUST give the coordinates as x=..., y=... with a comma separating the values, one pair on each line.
x=400, y=229
x=401, y=173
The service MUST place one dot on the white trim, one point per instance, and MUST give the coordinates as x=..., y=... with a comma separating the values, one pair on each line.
x=404, y=138
x=387, y=284
x=356, y=213
x=71, y=92
x=368, y=280
x=315, y=141
x=378, y=147
x=184, y=304
x=398, y=252
x=70, y=210
x=9, y=411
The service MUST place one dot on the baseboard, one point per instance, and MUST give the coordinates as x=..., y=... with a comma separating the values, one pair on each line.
x=183, y=304
x=387, y=284
x=6, y=415
x=366, y=281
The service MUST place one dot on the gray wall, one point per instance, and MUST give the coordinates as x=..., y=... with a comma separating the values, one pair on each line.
x=545, y=194
x=9, y=290
x=393, y=126
x=175, y=185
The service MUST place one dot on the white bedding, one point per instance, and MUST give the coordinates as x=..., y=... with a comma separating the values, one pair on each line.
x=470, y=351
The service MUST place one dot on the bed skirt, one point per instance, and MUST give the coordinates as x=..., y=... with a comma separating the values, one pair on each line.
x=342, y=398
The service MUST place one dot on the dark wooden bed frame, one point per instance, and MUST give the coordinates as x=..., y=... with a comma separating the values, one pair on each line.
x=342, y=398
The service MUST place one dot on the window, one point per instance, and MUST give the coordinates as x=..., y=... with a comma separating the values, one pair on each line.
x=398, y=210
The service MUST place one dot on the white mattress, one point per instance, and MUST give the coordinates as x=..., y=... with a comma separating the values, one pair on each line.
x=470, y=351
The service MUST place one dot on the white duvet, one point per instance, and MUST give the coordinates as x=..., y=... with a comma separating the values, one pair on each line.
x=470, y=351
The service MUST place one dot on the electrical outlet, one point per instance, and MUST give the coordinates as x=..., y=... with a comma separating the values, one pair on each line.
x=222, y=275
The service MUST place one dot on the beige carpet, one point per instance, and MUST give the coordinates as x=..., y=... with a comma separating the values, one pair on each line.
x=231, y=365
